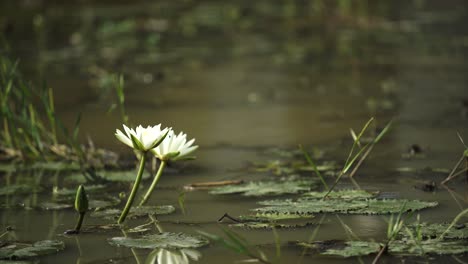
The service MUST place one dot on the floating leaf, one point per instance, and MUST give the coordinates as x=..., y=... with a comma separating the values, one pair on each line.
x=136, y=211
x=19, y=189
x=343, y=248
x=24, y=251
x=162, y=240
x=371, y=206
x=271, y=225
x=267, y=217
x=396, y=247
x=393, y=206
x=265, y=188
x=341, y=194
x=459, y=231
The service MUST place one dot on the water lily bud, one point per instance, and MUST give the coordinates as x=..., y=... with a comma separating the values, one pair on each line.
x=81, y=200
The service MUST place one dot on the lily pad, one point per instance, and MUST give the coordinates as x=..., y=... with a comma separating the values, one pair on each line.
x=397, y=247
x=136, y=211
x=429, y=231
x=342, y=194
x=266, y=188
x=370, y=206
x=19, y=189
x=162, y=240
x=25, y=251
x=343, y=248
x=267, y=217
x=271, y=225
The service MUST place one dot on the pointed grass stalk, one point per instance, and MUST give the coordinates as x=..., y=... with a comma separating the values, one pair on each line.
x=136, y=184
x=393, y=229
x=314, y=166
x=453, y=223
x=154, y=183
x=238, y=244
x=453, y=174
x=366, y=149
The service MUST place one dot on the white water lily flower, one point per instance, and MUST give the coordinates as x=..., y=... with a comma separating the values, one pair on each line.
x=175, y=147
x=141, y=138
x=165, y=256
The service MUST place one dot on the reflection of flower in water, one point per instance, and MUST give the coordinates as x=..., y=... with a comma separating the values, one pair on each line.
x=165, y=256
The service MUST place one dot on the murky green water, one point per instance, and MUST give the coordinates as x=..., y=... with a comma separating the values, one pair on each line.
x=242, y=77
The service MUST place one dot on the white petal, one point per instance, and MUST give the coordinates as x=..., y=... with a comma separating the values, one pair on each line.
x=187, y=151
x=124, y=139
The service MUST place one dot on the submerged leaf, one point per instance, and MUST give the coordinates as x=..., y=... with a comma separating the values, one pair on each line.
x=24, y=251
x=136, y=211
x=162, y=240
x=265, y=188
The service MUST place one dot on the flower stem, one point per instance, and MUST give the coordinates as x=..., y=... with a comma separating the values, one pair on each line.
x=79, y=223
x=134, y=189
x=153, y=184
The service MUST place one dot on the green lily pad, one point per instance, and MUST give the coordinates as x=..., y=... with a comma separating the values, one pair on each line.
x=271, y=225
x=162, y=240
x=397, y=247
x=18, y=189
x=135, y=211
x=429, y=231
x=266, y=188
x=341, y=194
x=25, y=251
x=370, y=206
x=343, y=248
x=267, y=217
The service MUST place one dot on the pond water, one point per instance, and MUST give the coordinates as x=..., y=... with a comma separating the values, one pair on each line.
x=245, y=78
